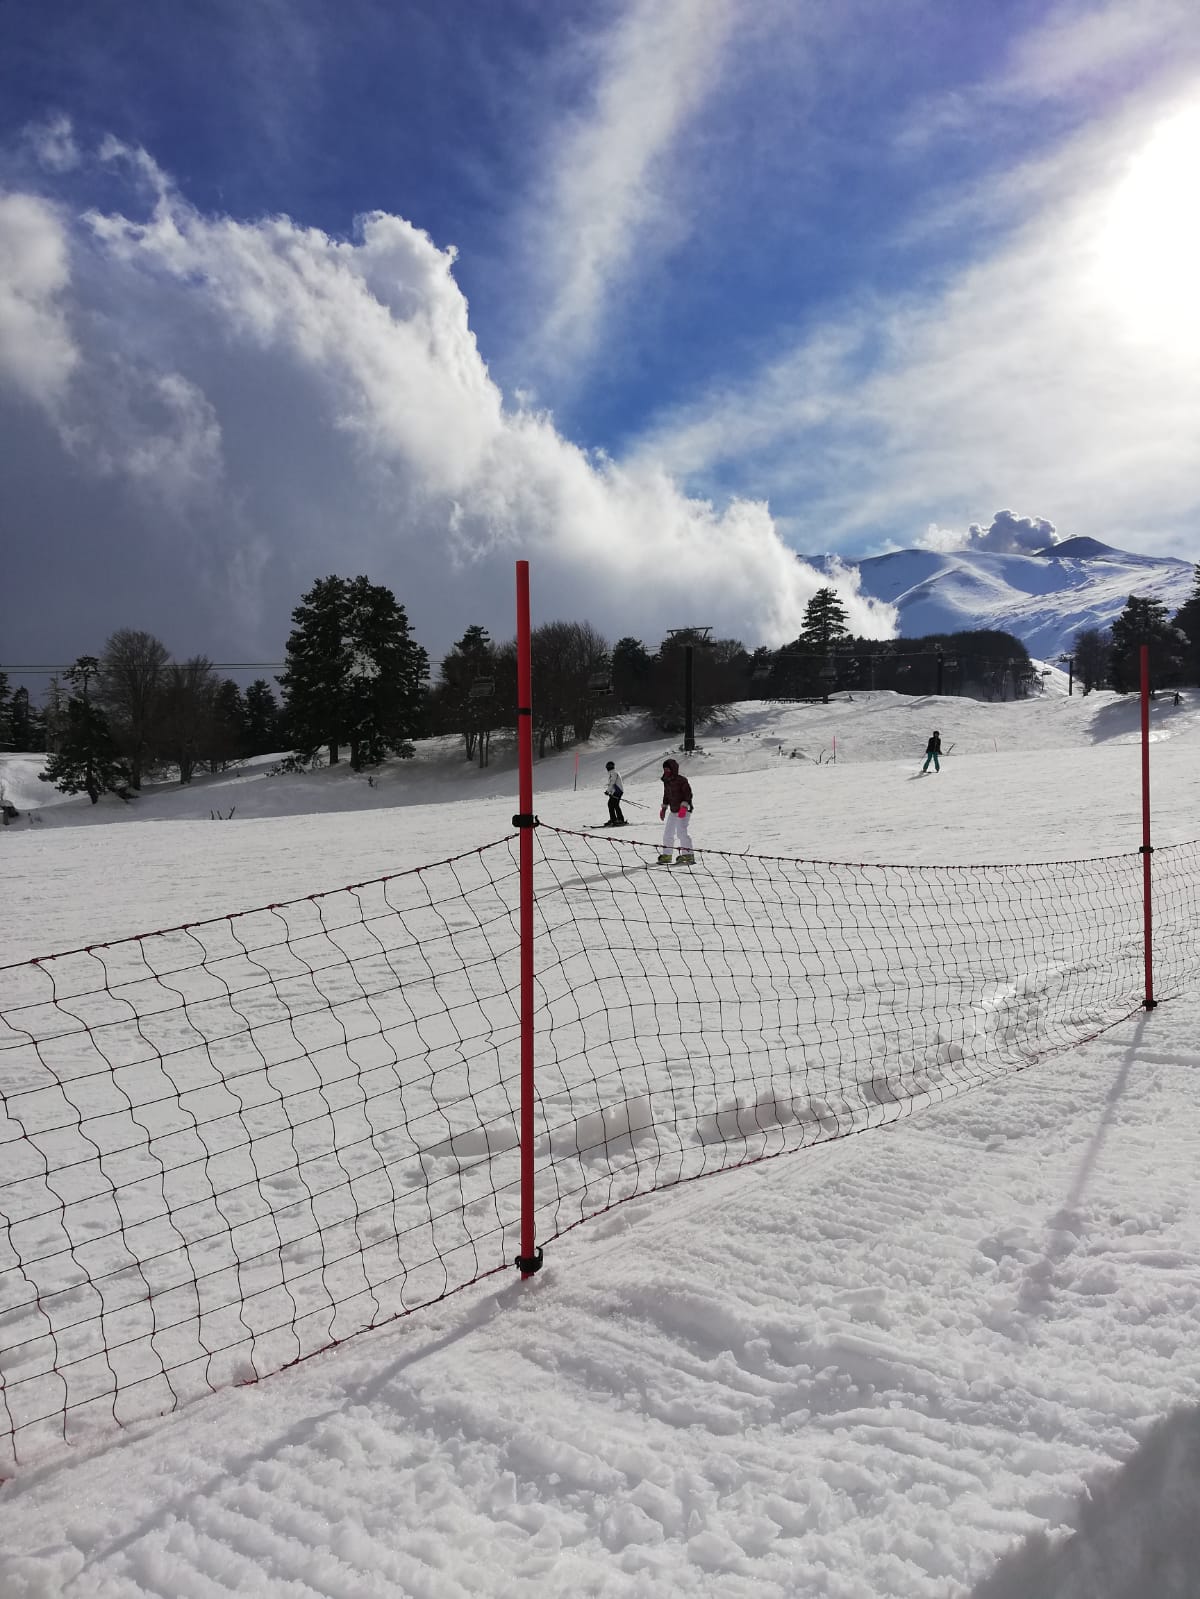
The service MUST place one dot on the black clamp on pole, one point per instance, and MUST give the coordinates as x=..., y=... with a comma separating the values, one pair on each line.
x=1143, y=849
x=524, y=819
x=528, y=1264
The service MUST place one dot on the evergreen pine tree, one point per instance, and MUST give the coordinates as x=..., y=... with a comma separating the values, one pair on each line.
x=464, y=703
x=228, y=725
x=385, y=688
x=824, y=622
x=1144, y=621
x=86, y=761
x=262, y=719
x=1187, y=620
x=318, y=666
x=353, y=675
x=632, y=669
x=54, y=713
x=26, y=726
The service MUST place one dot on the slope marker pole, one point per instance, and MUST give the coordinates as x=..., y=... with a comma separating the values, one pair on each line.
x=530, y=1259
x=1147, y=848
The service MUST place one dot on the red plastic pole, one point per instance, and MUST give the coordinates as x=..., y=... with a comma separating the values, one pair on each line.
x=1147, y=849
x=530, y=1258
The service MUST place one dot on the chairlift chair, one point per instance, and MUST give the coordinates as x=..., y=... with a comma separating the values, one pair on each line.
x=482, y=688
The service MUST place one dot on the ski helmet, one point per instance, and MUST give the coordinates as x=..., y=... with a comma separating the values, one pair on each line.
x=610, y=766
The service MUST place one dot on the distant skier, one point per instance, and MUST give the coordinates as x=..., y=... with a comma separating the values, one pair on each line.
x=676, y=808
x=932, y=751
x=614, y=789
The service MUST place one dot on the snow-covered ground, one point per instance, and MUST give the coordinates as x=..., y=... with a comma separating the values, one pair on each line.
x=884, y=1366
x=1045, y=600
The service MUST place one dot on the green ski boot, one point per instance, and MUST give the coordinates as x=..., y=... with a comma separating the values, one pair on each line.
x=663, y=860
x=685, y=859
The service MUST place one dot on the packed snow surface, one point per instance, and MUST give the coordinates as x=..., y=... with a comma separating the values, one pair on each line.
x=954, y=1355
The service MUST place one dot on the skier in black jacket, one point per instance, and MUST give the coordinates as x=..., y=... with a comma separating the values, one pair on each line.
x=932, y=750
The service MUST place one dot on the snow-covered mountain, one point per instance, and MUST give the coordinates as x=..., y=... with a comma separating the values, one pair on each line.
x=1043, y=598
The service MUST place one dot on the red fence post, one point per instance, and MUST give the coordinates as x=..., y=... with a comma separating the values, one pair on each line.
x=530, y=1258
x=1147, y=848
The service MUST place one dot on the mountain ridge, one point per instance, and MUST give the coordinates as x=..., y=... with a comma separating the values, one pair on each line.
x=1044, y=598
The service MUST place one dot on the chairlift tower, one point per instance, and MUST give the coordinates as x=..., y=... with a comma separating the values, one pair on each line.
x=689, y=728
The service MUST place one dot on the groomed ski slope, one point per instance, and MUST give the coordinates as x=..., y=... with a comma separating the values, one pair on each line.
x=874, y=1368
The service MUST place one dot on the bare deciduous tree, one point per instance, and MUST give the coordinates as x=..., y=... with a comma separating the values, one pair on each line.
x=129, y=691
x=566, y=657
x=188, y=713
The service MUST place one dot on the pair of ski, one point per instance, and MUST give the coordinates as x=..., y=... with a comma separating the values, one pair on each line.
x=651, y=866
x=621, y=871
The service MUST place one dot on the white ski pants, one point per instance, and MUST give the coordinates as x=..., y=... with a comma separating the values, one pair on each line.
x=675, y=830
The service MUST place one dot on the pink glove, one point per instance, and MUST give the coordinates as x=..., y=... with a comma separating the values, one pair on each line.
x=682, y=812
x=662, y=813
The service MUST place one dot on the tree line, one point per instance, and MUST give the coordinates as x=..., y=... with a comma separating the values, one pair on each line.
x=109, y=721
x=356, y=680
x=1111, y=657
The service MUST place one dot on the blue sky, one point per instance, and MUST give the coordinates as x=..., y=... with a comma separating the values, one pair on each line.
x=654, y=293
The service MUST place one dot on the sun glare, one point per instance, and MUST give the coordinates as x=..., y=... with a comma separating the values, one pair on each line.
x=1150, y=246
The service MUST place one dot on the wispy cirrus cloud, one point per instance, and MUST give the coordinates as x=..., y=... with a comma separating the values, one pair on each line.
x=1056, y=368
x=604, y=204
x=53, y=145
x=1075, y=50
x=1082, y=42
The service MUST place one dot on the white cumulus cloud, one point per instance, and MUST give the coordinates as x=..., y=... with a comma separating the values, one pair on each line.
x=1006, y=534
x=268, y=404
x=37, y=350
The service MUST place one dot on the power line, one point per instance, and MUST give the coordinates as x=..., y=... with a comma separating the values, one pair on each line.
x=216, y=666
